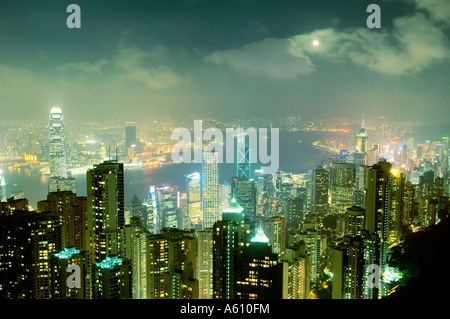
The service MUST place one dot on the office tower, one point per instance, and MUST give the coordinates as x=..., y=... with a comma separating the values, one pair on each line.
x=194, y=198
x=294, y=212
x=275, y=228
x=313, y=246
x=284, y=191
x=15, y=268
x=112, y=278
x=205, y=263
x=45, y=240
x=71, y=211
x=130, y=135
x=58, y=165
x=59, y=266
x=151, y=218
x=134, y=248
x=319, y=193
x=342, y=184
x=2, y=187
x=230, y=236
x=57, y=153
x=265, y=194
x=361, y=140
x=243, y=165
x=105, y=213
x=243, y=190
x=298, y=272
x=210, y=189
x=351, y=260
x=354, y=221
x=168, y=207
x=259, y=274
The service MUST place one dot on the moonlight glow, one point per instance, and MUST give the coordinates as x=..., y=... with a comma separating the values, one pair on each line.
x=315, y=43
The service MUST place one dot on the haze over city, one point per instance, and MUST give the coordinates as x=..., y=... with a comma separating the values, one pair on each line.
x=149, y=59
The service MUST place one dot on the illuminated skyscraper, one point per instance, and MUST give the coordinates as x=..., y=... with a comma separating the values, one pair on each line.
x=72, y=211
x=58, y=165
x=230, y=236
x=259, y=275
x=319, y=193
x=15, y=268
x=342, y=184
x=243, y=165
x=361, y=143
x=351, y=260
x=57, y=153
x=59, y=263
x=168, y=207
x=210, y=189
x=243, y=189
x=112, y=278
x=130, y=134
x=2, y=187
x=275, y=228
x=298, y=272
x=105, y=213
x=45, y=240
x=105, y=209
x=354, y=221
x=194, y=198
x=205, y=263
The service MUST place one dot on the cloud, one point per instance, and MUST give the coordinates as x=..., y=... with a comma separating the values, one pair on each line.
x=134, y=64
x=84, y=67
x=269, y=57
x=439, y=10
x=413, y=45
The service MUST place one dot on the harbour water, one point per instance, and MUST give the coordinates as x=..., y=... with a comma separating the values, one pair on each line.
x=297, y=155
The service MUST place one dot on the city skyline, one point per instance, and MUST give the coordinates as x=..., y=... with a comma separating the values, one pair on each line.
x=136, y=160
x=236, y=57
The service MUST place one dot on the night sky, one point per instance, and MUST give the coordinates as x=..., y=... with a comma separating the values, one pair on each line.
x=149, y=59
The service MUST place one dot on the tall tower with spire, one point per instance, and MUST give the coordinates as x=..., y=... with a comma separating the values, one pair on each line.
x=57, y=153
x=361, y=142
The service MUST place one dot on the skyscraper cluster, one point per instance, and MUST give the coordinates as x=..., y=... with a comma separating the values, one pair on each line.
x=328, y=232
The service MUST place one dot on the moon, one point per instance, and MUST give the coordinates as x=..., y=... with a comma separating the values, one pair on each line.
x=316, y=43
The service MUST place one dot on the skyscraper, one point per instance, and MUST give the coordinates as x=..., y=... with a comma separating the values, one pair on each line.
x=205, y=263
x=210, y=189
x=243, y=165
x=361, y=140
x=342, y=184
x=2, y=187
x=243, y=189
x=319, y=192
x=57, y=153
x=59, y=263
x=112, y=278
x=105, y=213
x=230, y=236
x=194, y=198
x=259, y=275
